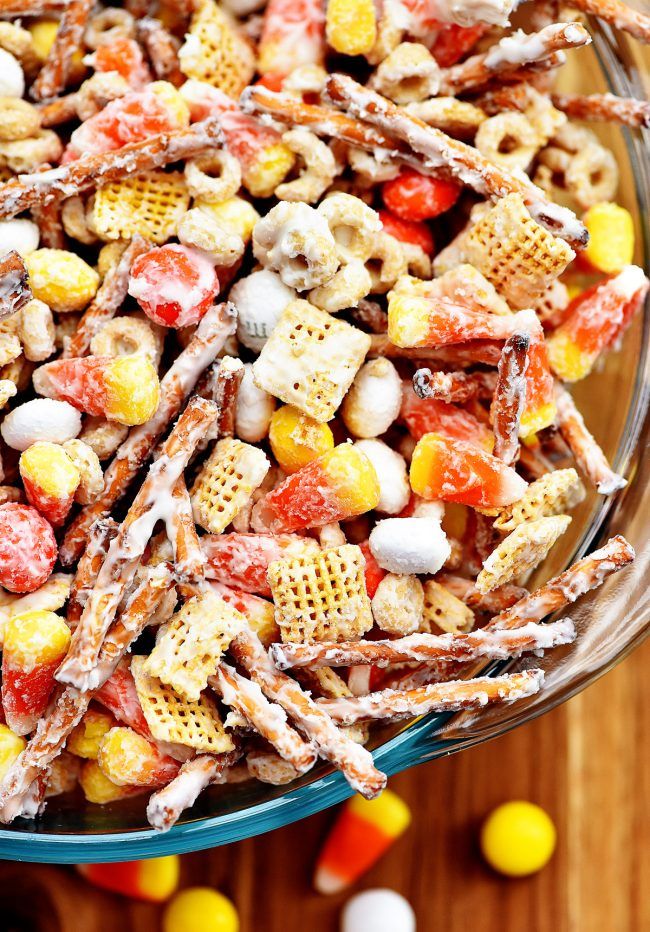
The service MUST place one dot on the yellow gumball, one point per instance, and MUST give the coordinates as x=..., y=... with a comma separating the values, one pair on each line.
x=518, y=838
x=200, y=909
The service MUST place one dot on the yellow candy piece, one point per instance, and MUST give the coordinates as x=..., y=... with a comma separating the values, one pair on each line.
x=611, y=237
x=235, y=215
x=96, y=786
x=388, y=812
x=50, y=468
x=10, y=747
x=85, y=740
x=62, y=279
x=353, y=478
x=36, y=637
x=43, y=35
x=351, y=26
x=132, y=389
x=269, y=167
x=518, y=838
x=173, y=101
x=200, y=908
x=297, y=439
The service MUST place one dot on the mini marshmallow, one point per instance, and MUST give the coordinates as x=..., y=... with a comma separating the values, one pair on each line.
x=425, y=509
x=40, y=419
x=378, y=911
x=21, y=235
x=374, y=399
x=409, y=545
x=394, y=488
x=254, y=409
x=12, y=79
x=259, y=298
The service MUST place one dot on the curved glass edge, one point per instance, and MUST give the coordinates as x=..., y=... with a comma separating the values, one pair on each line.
x=434, y=736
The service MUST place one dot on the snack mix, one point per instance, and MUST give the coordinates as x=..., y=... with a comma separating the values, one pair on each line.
x=292, y=297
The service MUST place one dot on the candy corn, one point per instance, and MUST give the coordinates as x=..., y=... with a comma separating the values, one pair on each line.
x=200, y=908
x=372, y=571
x=119, y=696
x=593, y=322
x=50, y=479
x=297, y=439
x=98, y=789
x=242, y=560
x=34, y=646
x=154, y=880
x=455, y=471
x=125, y=389
x=611, y=238
x=338, y=485
x=128, y=759
x=293, y=34
x=539, y=407
x=28, y=548
x=258, y=612
x=11, y=745
x=86, y=738
x=428, y=415
x=123, y=55
x=363, y=831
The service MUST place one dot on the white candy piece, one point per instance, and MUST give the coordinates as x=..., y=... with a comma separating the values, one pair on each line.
x=259, y=298
x=12, y=79
x=254, y=409
x=409, y=545
x=40, y=419
x=394, y=488
x=378, y=911
x=374, y=399
x=21, y=235
x=425, y=509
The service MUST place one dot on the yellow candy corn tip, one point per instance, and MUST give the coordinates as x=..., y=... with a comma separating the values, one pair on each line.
x=158, y=877
x=235, y=215
x=173, y=101
x=43, y=35
x=534, y=421
x=422, y=464
x=387, y=812
x=200, y=908
x=567, y=360
x=49, y=467
x=297, y=439
x=36, y=637
x=86, y=738
x=132, y=389
x=96, y=786
x=11, y=746
x=611, y=237
x=408, y=319
x=121, y=753
x=353, y=477
x=268, y=169
x=518, y=838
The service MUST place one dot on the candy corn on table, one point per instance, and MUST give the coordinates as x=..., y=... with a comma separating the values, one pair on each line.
x=583, y=763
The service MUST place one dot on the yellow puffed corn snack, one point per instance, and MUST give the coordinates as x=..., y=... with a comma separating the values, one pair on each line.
x=351, y=26
x=151, y=204
x=61, y=279
x=86, y=738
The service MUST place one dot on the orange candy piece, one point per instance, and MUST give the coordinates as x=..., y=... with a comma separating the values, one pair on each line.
x=242, y=560
x=174, y=285
x=429, y=415
x=123, y=55
x=153, y=881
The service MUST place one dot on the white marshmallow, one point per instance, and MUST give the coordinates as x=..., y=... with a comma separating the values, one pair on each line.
x=259, y=298
x=378, y=911
x=425, y=509
x=394, y=488
x=21, y=235
x=409, y=545
x=374, y=399
x=40, y=419
x=12, y=79
x=254, y=409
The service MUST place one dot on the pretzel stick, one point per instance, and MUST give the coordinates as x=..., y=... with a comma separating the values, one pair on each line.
x=510, y=397
x=423, y=648
x=491, y=602
x=229, y=378
x=589, y=458
x=60, y=110
x=439, y=697
x=618, y=14
x=534, y=462
x=267, y=718
x=108, y=300
x=510, y=54
x=469, y=353
x=138, y=8
x=69, y=704
x=91, y=171
x=162, y=49
x=604, y=107
x=213, y=331
x=14, y=8
x=370, y=314
x=151, y=504
x=48, y=219
x=99, y=538
x=166, y=806
x=54, y=74
x=353, y=760
x=14, y=288
x=453, y=387
x=453, y=157
x=189, y=561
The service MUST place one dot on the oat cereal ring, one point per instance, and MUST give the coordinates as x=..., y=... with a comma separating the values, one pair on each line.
x=592, y=176
x=36, y=331
x=508, y=139
x=97, y=91
x=7, y=391
x=455, y=117
x=317, y=173
x=10, y=347
x=108, y=25
x=417, y=261
x=199, y=230
x=351, y=283
x=123, y=336
x=87, y=462
x=387, y=262
x=19, y=43
x=409, y=73
x=27, y=155
x=74, y=219
x=294, y=240
x=216, y=177
x=18, y=119
x=353, y=224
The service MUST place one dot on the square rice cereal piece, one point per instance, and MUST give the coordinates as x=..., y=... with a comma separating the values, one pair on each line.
x=225, y=482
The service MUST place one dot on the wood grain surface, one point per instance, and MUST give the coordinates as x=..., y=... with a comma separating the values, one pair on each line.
x=586, y=763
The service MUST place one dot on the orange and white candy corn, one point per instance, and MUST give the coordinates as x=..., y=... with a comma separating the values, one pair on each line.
x=50, y=479
x=364, y=830
x=154, y=880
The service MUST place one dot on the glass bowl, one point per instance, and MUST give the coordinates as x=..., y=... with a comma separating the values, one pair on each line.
x=611, y=621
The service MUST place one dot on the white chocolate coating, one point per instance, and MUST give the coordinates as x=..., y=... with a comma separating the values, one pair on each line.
x=378, y=911
x=12, y=79
x=40, y=419
x=21, y=235
x=409, y=545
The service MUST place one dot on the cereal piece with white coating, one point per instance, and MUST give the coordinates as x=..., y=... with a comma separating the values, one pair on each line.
x=409, y=545
x=91, y=477
x=555, y=493
x=345, y=289
x=409, y=74
x=225, y=483
x=36, y=331
x=521, y=551
x=254, y=409
x=445, y=611
x=353, y=224
x=374, y=399
x=398, y=604
x=295, y=241
x=201, y=231
x=216, y=177
x=20, y=234
x=319, y=167
x=391, y=469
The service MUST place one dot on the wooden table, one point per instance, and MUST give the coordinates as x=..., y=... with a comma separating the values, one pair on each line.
x=586, y=762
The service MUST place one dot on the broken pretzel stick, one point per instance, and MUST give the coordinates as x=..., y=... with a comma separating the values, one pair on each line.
x=454, y=387
x=490, y=602
x=354, y=761
x=604, y=108
x=267, y=718
x=589, y=458
x=618, y=14
x=216, y=326
x=438, y=697
x=510, y=397
x=511, y=53
x=53, y=76
x=162, y=49
x=14, y=288
x=99, y=538
x=90, y=171
x=189, y=561
x=469, y=353
x=442, y=154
